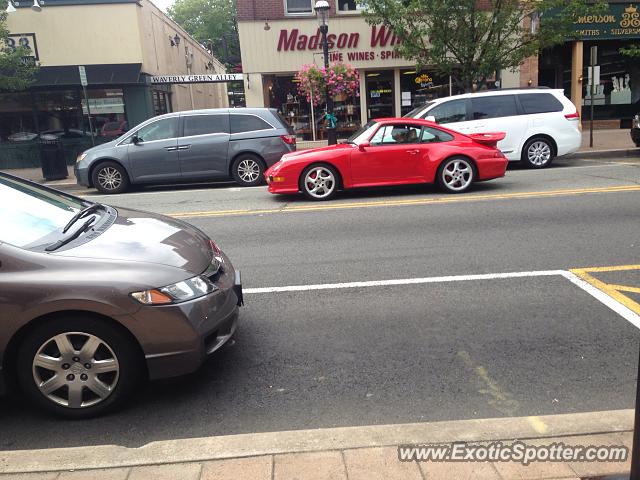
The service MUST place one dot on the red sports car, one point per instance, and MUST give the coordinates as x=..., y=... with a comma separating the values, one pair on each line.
x=391, y=151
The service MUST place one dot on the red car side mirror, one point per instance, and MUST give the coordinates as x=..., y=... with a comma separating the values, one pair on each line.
x=363, y=145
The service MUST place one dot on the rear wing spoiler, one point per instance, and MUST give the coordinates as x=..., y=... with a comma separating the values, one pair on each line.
x=490, y=139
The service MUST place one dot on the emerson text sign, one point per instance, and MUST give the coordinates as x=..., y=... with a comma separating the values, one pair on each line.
x=207, y=78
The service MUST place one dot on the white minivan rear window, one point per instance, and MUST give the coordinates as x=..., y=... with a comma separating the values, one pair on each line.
x=540, y=103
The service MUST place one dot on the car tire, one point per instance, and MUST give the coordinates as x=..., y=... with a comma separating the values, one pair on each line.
x=248, y=170
x=456, y=174
x=53, y=352
x=538, y=152
x=319, y=182
x=110, y=177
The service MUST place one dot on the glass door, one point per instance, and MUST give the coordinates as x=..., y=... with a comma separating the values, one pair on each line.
x=380, y=98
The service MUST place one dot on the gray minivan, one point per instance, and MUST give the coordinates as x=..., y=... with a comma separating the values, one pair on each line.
x=190, y=146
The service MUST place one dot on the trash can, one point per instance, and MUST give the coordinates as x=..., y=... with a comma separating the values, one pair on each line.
x=54, y=165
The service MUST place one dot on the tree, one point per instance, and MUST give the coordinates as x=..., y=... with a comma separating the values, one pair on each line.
x=471, y=40
x=211, y=22
x=16, y=72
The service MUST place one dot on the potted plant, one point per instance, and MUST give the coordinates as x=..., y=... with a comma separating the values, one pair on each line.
x=341, y=81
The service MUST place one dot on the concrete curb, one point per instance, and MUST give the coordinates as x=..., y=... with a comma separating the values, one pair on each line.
x=591, y=154
x=248, y=445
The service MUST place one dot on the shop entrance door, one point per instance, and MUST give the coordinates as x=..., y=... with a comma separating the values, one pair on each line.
x=380, y=98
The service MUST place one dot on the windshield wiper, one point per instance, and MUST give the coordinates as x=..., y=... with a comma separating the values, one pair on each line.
x=63, y=241
x=82, y=213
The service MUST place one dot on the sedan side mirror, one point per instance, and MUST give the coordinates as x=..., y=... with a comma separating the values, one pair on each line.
x=430, y=118
x=362, y=146
x=136, y=140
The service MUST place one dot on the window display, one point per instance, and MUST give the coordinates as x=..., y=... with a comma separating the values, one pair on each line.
x=307, y=121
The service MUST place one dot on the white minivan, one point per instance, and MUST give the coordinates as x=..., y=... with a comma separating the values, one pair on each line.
x=540, y=123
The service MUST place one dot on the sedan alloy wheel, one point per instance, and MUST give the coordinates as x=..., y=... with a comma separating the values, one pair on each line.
x=75, y=369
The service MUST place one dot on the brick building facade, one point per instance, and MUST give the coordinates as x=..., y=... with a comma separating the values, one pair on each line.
x=277, y=37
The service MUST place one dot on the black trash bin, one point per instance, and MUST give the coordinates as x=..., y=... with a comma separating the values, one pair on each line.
x=54, y=165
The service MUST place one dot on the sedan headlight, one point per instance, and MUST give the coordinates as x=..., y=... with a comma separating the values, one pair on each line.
x=178, y=292
x=80, y=157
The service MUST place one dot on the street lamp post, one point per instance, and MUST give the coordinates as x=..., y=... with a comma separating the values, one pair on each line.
x=322, y=11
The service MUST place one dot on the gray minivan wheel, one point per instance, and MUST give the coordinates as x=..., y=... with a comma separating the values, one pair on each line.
x=538, y=152
x=77, y=366
x=248, y=170
x=110, y=177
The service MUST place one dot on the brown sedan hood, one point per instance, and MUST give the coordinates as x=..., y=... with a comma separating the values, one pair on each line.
x=145, y=237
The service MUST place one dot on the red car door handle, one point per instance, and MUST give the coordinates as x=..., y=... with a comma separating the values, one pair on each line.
x=413, y=152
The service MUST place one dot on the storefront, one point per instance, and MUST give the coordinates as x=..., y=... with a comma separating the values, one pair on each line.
x=120, y=93
x=617, y=76
x=274, y=50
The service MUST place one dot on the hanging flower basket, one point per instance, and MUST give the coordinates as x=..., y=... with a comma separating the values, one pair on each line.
x=341, y=80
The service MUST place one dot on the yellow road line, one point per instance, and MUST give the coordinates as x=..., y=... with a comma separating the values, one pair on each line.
x=625, y=288
x=416, y=201
x=610, y=289
x=615, y=268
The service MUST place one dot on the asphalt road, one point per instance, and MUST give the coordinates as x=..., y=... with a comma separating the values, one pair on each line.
x=402, y=353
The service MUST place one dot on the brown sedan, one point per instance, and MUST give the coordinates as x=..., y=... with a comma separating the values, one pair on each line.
x=93, y=299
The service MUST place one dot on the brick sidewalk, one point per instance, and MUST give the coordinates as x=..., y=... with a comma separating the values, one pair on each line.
x=345, y=453
x=379, y=463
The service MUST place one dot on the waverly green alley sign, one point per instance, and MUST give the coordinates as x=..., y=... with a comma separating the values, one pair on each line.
x=620, y=21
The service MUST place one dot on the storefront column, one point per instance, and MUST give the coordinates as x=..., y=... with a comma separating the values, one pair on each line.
x=576, y=74
x=363, y=97
x=254, y=94
x=396, y=93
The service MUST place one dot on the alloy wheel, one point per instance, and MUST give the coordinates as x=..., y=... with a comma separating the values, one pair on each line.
x=110, y=178
x=248, y=170
x=75, y=370
x=539, y=153
x=457, y=175
x=319, y=182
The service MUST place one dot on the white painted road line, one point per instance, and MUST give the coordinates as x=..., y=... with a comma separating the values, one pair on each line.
x=601, y=296
x=405, y=281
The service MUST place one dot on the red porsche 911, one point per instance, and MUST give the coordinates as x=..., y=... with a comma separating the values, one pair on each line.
x=391, y=151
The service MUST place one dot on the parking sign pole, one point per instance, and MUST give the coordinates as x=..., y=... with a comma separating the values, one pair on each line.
x=594, y=60
x=83, y=81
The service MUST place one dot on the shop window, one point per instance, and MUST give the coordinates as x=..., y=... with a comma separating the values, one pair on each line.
x=422, y=86
x=161, y=103
x=539, y=103
x=63, y=114
x=299, y=6
x=494, y=106
x=205, y=124
x=449, y=112
x=247, y=123
x=308, y=122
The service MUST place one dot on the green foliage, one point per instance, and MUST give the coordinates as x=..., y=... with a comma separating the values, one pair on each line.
x=631, y=51
x=210, y=21
x=470, y=39
x=15, y=74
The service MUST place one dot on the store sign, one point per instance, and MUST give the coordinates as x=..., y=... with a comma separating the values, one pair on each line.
x=424, y=80
x=620, y=21
x=380, y=37
x=26, y=40
x=208, y=78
